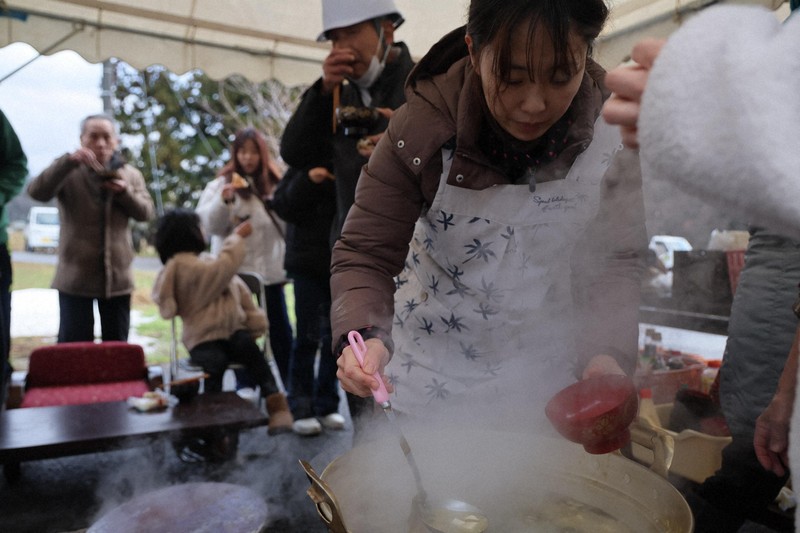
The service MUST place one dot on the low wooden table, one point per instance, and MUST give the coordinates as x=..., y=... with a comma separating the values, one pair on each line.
x=44, y=432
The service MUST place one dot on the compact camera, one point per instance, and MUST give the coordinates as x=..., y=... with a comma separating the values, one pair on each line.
x=116, y=162
x=357, y=121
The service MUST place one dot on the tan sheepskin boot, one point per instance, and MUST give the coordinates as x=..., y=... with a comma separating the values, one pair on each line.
x=280, y=418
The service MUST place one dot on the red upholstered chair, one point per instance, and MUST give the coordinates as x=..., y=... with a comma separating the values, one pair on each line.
x=85, y=372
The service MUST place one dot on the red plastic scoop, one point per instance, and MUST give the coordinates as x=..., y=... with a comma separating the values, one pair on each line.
x=595, y=412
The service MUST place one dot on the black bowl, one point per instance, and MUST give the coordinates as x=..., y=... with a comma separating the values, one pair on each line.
x=357, y=121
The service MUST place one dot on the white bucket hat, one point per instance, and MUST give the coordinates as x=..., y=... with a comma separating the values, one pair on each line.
x=343, y=13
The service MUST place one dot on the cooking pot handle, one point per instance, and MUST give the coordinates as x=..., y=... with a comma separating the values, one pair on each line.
x=322, y=496
x=659, y=442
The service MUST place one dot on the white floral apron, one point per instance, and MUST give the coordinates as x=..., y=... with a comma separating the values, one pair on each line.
x=484, y=301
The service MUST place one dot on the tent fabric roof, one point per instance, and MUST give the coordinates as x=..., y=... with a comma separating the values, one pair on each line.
x=263, y=39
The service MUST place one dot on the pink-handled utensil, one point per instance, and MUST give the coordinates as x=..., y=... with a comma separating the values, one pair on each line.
x=360, y=350
x=440, y=515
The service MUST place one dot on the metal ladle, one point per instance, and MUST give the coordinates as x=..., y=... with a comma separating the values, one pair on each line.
x=439, y=515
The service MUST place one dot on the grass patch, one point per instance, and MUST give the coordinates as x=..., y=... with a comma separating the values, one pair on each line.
x=39, y=276
x=31, y=276
x=16, y=240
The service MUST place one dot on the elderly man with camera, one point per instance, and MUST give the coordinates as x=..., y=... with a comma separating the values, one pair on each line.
x=97, y=194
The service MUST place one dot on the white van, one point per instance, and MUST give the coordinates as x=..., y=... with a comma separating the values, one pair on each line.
x=42, y=229
x=665, y=247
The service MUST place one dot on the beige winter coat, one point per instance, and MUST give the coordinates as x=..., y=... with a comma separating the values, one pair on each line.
x=212, y=301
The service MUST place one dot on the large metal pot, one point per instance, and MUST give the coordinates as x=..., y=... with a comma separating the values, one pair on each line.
x=520, y=482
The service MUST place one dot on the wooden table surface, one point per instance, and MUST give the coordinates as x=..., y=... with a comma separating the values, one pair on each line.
x=44, y=432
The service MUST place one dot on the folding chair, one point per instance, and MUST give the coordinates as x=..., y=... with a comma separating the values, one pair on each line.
x=255, y=283
x=180, y=366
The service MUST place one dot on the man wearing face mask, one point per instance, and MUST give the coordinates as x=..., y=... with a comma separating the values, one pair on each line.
x=365, y=68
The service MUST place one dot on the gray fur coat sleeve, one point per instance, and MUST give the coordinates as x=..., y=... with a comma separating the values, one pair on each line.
x=721, y=114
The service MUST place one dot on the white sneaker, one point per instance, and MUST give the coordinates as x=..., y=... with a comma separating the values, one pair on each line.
x=333, y=421
x=307, y=427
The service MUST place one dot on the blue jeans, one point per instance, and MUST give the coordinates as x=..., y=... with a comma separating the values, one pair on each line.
x=77, y=317
x=309, y=396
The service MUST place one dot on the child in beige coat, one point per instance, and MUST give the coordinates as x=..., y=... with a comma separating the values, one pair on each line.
x=220, y=320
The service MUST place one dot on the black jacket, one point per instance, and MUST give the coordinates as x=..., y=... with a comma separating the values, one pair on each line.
x=309, y=138
x=309, y=210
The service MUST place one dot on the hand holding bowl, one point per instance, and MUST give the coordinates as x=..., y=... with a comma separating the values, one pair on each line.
x=595, y=412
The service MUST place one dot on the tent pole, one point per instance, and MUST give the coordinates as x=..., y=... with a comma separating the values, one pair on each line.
x=151, y=148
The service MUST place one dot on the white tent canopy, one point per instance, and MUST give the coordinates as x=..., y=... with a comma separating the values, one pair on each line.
x=263, y=39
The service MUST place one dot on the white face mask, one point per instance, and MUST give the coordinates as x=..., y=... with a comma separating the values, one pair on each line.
x=375, y=68
x=372, y=74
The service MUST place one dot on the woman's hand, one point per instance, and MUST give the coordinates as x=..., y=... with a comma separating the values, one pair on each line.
x=358, y=381
x=628, y=82
x=600, y=365
x=227, y=193
x=244, y=229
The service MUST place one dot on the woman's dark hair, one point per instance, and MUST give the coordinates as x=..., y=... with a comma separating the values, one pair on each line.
x=265, y=176
x=494, y=21
x=179, y=231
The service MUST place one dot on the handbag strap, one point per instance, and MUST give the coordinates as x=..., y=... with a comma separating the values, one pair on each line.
x=275, y=221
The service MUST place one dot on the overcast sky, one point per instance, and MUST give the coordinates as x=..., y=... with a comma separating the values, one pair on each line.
x=46, y=100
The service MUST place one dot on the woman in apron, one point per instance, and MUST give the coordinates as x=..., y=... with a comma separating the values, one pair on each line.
x=496, y=244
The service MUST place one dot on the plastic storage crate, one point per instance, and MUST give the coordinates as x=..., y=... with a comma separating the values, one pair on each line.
x=697, y=455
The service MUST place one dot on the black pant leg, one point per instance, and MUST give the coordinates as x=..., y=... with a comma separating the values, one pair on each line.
x=245, y=351
x=213, y=357
x=115, y=317
x=76, y=318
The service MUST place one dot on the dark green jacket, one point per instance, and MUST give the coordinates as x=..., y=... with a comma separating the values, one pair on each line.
x=13, y=169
